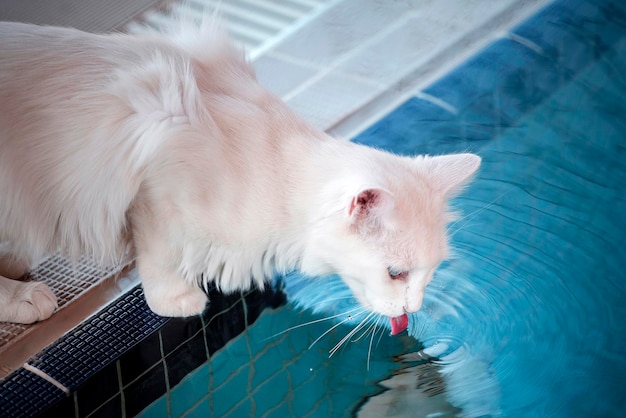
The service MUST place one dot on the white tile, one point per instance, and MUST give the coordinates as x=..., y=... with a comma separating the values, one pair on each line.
x=343, y=28
x=468, y=13
x=429, y=29
x=280, y=76
x=374, y=45
x=415, y=42
x=330, y=99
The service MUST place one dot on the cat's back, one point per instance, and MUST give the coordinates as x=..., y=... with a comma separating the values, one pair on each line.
x=45, y=56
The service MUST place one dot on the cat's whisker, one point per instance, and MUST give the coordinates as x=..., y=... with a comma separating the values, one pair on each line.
x=467, y=218
x=315, y=321
x=333, y=327
x=369, y=349
x=350, y=334
x=364, y=333
x=366, y=321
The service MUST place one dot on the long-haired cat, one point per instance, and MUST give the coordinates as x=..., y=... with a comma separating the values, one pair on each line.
x=166, y=149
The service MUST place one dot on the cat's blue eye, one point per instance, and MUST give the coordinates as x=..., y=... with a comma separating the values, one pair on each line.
x=397, y=274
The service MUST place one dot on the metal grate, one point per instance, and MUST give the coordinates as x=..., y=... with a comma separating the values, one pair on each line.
x=99, y=340
x=25, y=394
x=249, y=22
x=67, y=280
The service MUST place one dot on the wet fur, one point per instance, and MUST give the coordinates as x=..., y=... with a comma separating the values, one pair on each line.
x=165, y=149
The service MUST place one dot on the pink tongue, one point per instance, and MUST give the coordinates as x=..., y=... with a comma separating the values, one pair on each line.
x=399, y=324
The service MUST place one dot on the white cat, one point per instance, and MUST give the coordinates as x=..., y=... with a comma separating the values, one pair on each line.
x=166, y=148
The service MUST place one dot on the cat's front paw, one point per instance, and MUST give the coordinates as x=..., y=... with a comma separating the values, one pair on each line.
x=28, y=302
x=175, y=299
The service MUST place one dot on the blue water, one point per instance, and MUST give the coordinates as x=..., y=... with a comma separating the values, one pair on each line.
x=529, y=318
x=268, y=372
x=537, y=294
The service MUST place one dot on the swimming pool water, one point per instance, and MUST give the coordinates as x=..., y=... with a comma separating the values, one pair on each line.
x=528, y=319
x=536, y=296
x=270, y=372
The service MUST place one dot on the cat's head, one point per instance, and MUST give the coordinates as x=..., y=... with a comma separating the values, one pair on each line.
x=387, y=234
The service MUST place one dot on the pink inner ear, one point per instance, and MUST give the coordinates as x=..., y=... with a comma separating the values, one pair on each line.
x=352, y=206
x=369, y=198
x=370, y=203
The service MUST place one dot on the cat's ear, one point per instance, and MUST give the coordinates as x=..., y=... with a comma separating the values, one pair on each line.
x=370, y=206
x=449, y=172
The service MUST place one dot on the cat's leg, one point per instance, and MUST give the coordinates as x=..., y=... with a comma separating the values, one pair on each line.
x=12, y=268
x=25, y=302
x=168, y=293
x=165, y=289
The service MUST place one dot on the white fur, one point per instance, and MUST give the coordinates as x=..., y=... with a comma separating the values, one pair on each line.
x=166, y=149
